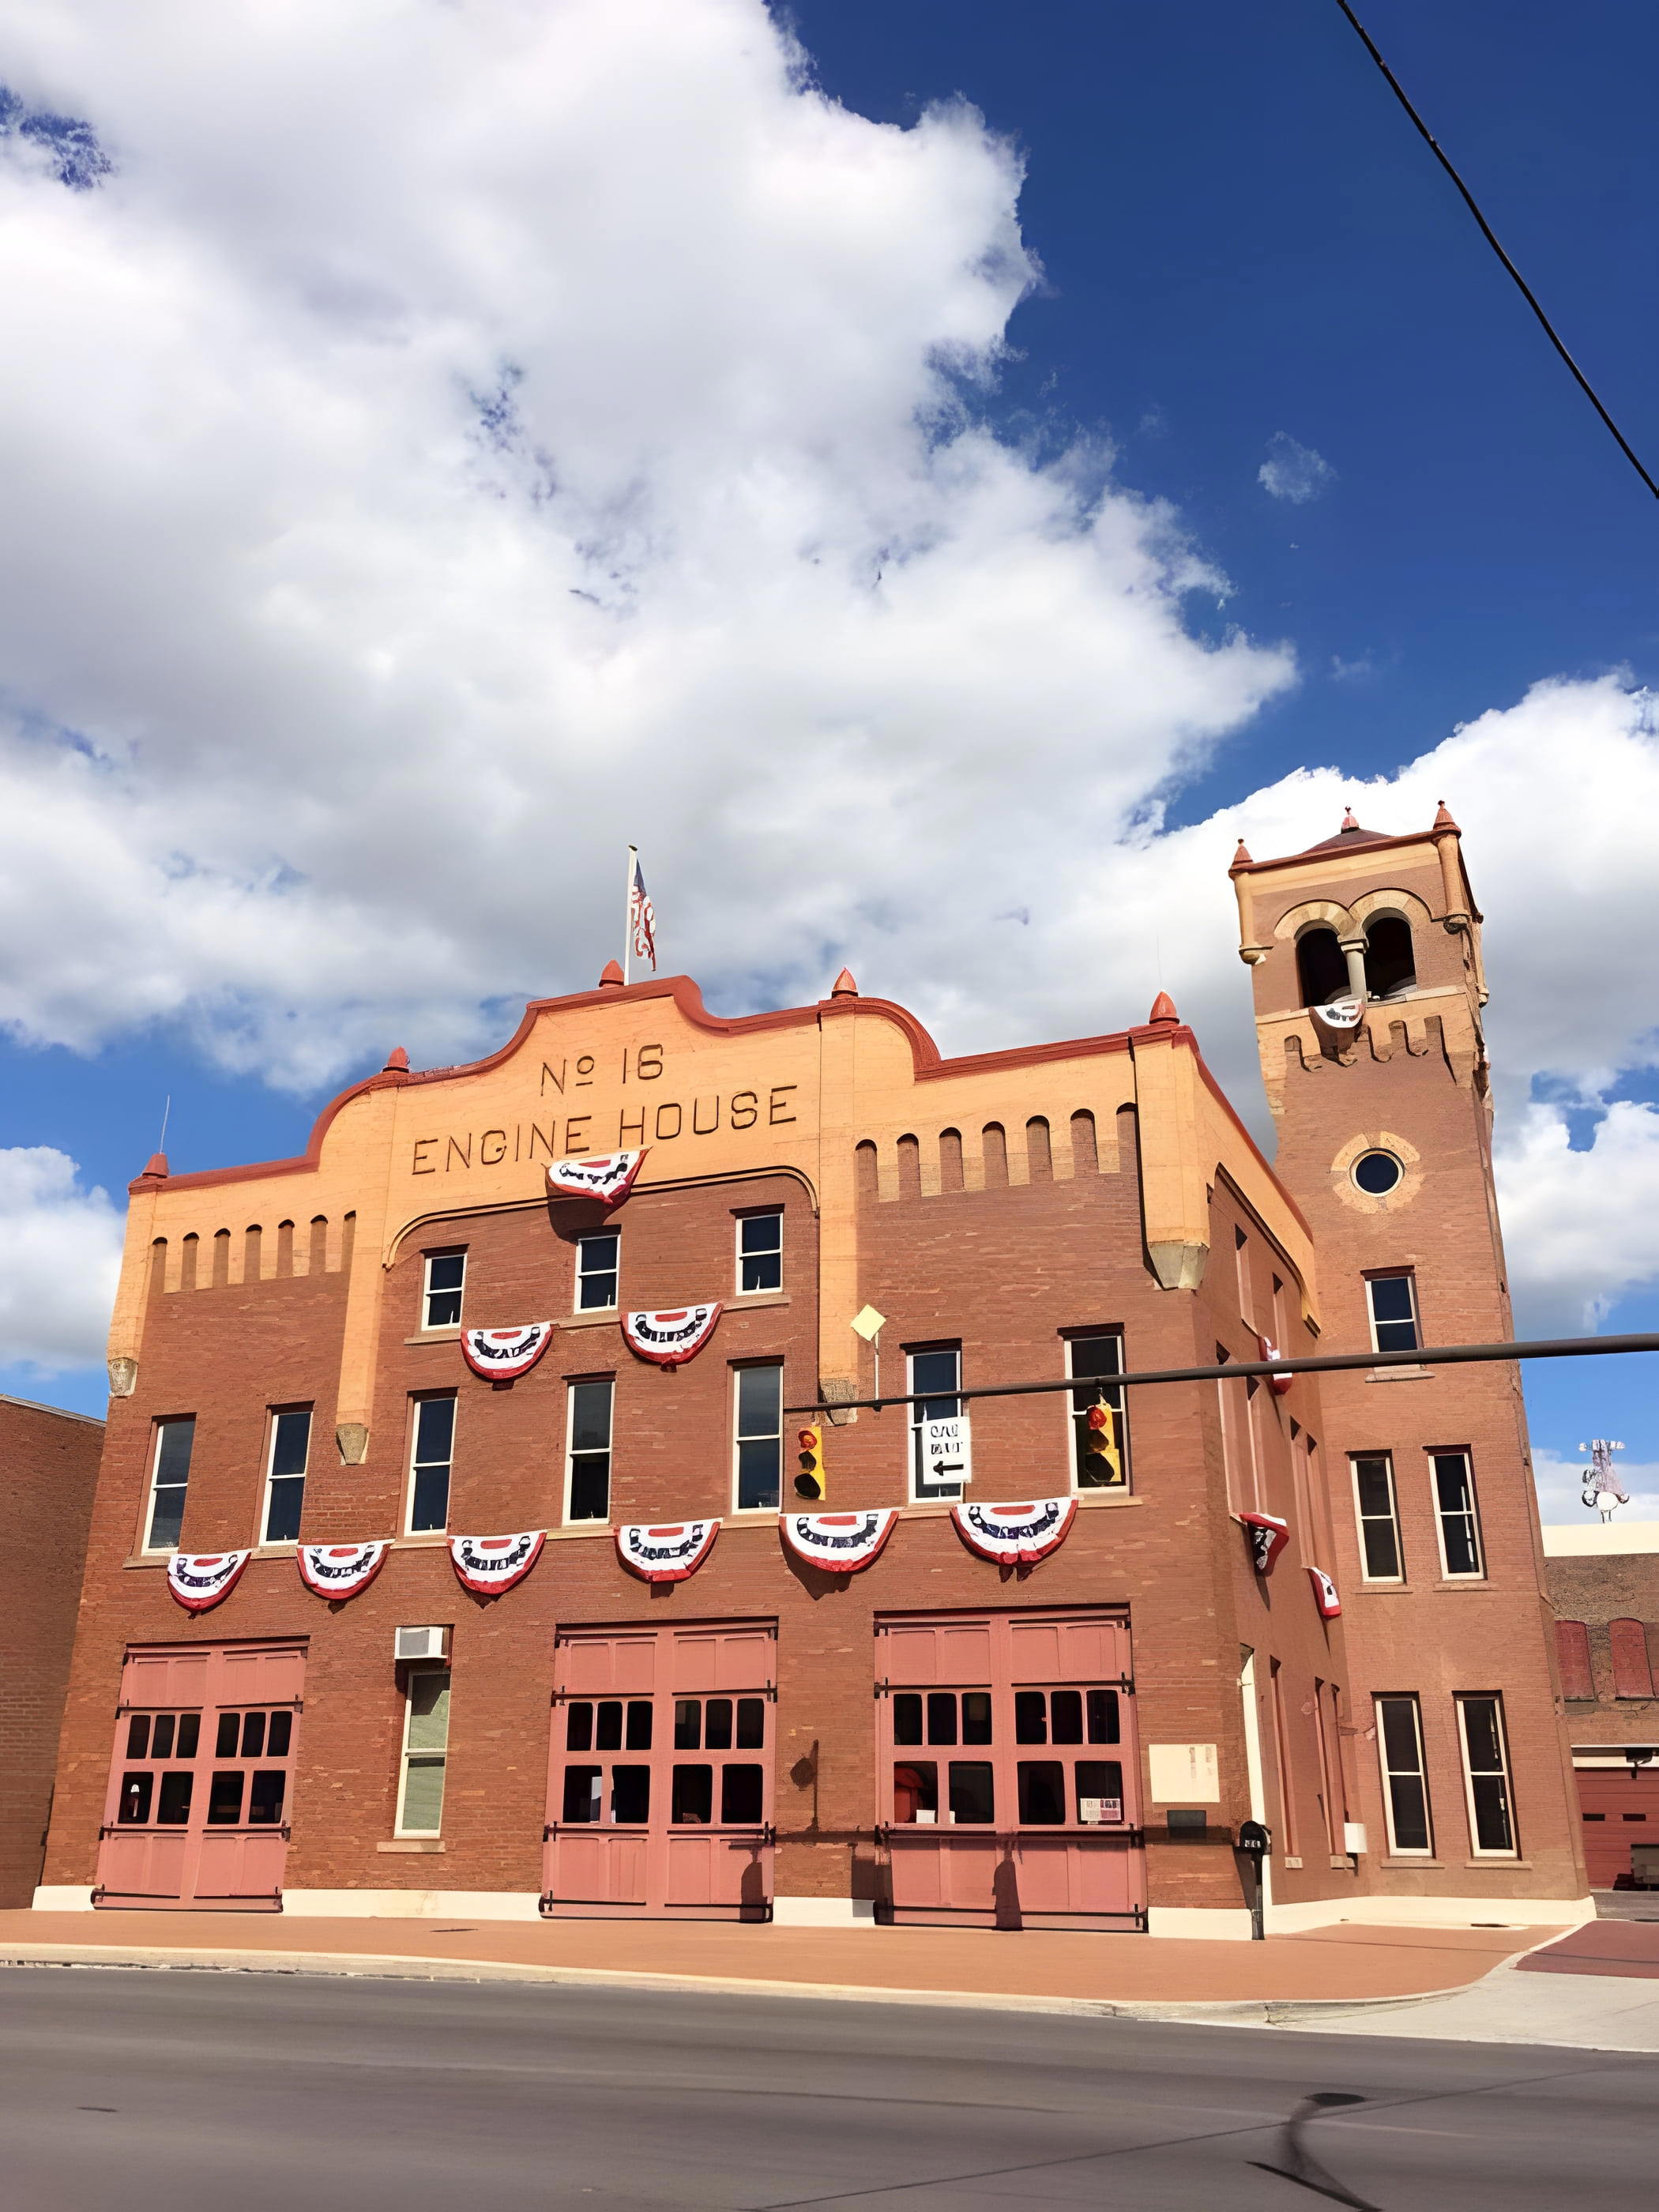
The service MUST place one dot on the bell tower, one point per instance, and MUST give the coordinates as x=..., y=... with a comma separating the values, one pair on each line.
x=1365, y=963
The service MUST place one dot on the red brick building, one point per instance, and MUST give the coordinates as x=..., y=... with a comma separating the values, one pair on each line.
x=50, y=1460
x=681, y=1705
x=1604, y=1583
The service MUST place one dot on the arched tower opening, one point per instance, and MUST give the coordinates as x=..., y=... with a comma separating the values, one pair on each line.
x=1390, y=962
x=1321, y=969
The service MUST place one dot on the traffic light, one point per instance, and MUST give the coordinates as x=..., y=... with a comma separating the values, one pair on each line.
x=1103, y=1455
x=809, y=1482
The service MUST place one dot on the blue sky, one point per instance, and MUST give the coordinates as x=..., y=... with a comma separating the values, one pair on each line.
x=1239, y=251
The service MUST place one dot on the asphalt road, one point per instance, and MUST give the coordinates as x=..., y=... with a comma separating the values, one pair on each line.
x=135, y=2091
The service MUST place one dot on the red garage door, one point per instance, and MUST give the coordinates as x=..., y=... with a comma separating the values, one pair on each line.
x=202, y=1778
x=660, y=1784
x=1618, y=1809
x=1010, y=1783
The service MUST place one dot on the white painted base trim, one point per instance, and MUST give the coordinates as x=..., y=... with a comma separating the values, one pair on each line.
x=1432, y=1912
x=1221, y=1923
x=823, y=1912
x=411, y=1904
x=62, y=1897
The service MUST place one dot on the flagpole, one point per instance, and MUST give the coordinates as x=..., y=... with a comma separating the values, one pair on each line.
x=627, y=915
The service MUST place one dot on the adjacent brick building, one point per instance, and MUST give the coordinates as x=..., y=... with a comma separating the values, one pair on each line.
x=1071, y=1741
x=49, y=1464
x=1604, y=1583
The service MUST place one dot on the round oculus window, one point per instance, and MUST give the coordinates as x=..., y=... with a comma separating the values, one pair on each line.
x=1377, y=1174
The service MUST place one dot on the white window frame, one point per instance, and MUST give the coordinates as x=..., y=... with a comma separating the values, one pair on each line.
x=176, y=1421
x=1421, y=1773
x=275, y=1415
x=1095, y=1336
x=608, y=1383
x=1478, y=1572
x=757, y=1214
x=1463, y=1700
x=427, y=1293
x=750, y=1367
x=952, y=1493
x=427, y=1398
x=406, y=1754
x=1408, y=1276
x=582, y=1243
x=1361, y=1518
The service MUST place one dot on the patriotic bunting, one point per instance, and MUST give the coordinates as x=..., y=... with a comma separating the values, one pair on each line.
x=1325, y=1596
x=1268, y=1536
x=199, y=1580
x=339, y=1571
x=671, y=1337
x=841, y=1543
x=609, y=1178
x=1016, y=1536
x=490, y=1564
x=504, y=1354
x=667, y=1554
x=1278, y=1383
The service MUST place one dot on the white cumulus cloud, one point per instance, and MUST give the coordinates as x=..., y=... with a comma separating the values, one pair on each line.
x=1293, y=471
x=62, y=1252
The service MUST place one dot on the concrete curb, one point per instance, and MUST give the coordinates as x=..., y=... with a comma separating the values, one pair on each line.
x=1235, y=2012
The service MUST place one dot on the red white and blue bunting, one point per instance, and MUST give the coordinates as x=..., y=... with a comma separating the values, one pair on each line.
x=667, y=1553
x=1016, y=1536
x=841, y=1543
x=1324, y=1591
x=490, y=1564
x=669, y=1338
x=339, y=1571
x=1278, y=1383
x=1268, y=1536
x=504, y=1354
x=201, y=1580
x=608, y=1177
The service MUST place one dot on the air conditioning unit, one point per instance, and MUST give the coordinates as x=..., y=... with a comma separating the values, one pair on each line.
x=421, y=1644
x=1353, y=1837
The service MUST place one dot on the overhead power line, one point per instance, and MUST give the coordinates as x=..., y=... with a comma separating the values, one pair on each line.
x=1490, y=235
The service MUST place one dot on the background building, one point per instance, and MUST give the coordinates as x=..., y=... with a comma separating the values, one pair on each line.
x=1604, y=1583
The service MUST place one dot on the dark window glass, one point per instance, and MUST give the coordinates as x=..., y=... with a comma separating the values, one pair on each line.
x=760, y=1435
x=284, y=1510
x=582, y=1793
x=1409, y=1804
x=1376, y=1173
x=136, y=1791
x=688, y=1724
x=976, y=1716
x=1066, y=1710
x=253, y=1735
x=694, y=1796
x=1101, y=1779
x=973, y=1800
x=939, y=1372
x=630, y=1794
x=751, y=1723
x=434, y=1447
x=941, y=1716
x=907, y=1717
x=1103, y=1716
x=1041, y=1793
x=1492, y=1813
x=225, y=1799
x=609, y=1735
x=1379, y=1532
x=264, y=1796
x=717, y=1724
x=190, y=1735
x=578, y=1727
x=161, y=1745
x=290, y=1443
x=174, y=1440
x=1394, y=1313
x=1489, y=1787
x=639, y=1724
x=280, y=1736
x=760, y=1249
x=445, y=1273
x=597, y=1270
x=1459, y=1530
x=915, y=1790
x=173, y=1807
x=229, y=1735
x=740, y=1795
x=1031, y=1717
x=590, y=1451
x=1101, y=1356
x=138, y=1736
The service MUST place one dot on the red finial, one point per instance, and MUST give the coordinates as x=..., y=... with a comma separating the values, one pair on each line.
x=1241, y=857
x=1164, y=1009
x=396, y=1062
x=844, y=987
x=156, y=1164
x=1442, y=819
x=1348, y=822
x=612, y=979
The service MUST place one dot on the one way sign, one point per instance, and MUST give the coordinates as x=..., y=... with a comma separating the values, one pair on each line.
x=947, y=1451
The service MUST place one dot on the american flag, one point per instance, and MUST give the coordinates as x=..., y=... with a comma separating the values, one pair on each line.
x=642, y=918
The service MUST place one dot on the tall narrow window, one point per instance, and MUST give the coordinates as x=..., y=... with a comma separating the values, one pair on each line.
x=760, y=1251
x=1242, y=1266
x=1286, y=1773
x=1632, y=1670
x=589, y=1451
x=1096, y=1358
x=1454, y=1510
x=758, y=1438
x=934, y=1372
x=1405, y=1783
x=598, y=1264
x=1486, y=1771
x=1573, y=1651
x=1232, y=1401
x=434, y=1450
x=1379, y=1518
x=1330, y=1778
x=426, y=1744
x=1393, y=1303
x=285, y=1476
x=446, y=1274
x=169, y=1474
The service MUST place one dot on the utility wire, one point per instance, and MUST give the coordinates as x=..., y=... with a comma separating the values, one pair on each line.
x=1487, y=233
